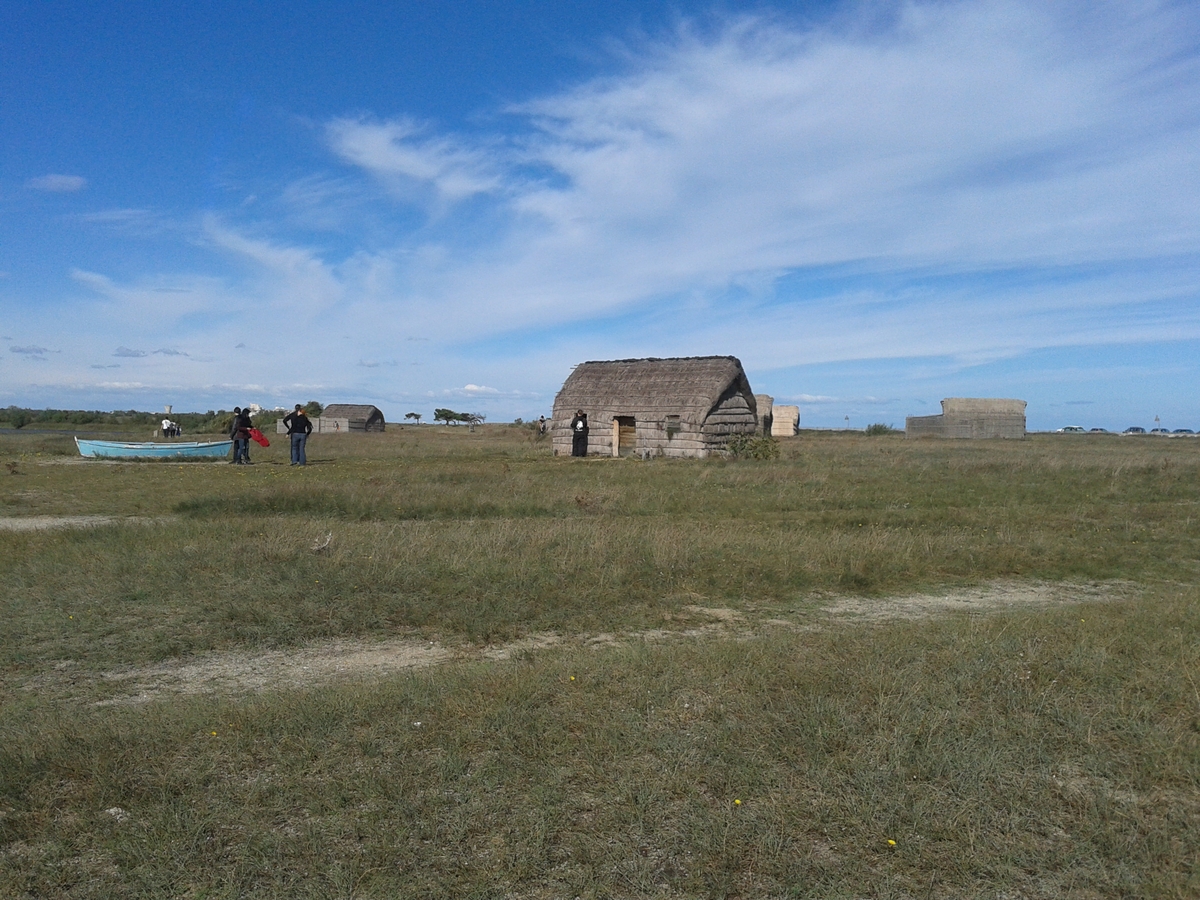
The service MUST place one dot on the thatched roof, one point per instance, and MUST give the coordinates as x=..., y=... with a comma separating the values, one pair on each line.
x=685, y=386
x=351, y=411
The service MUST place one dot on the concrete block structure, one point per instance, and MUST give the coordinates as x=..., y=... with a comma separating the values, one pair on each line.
x=765, y=403
x=344, y=418
x=972, y=418
x=786, y=421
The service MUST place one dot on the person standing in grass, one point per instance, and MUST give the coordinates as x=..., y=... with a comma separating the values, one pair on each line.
x=240, y=432
x=233, y=432
x=579, y=434
x=299, y=428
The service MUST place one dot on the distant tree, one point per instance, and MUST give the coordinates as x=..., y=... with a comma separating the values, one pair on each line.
x=313, y=408
x=473, y=418
x=446, y=415
x=413, y=415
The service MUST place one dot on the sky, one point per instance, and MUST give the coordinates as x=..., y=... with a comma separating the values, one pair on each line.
x=872, y=205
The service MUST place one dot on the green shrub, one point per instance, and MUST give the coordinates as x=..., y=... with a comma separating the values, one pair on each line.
x=880, y=428
x=750, y=446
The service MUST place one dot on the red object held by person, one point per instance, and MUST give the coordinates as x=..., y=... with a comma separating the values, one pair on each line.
x=259, y=438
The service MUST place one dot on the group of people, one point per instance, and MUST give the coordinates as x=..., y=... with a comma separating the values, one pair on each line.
x=242, y=431
x=170, y=429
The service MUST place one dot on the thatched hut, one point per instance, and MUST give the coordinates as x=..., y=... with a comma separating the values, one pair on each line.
x=346, y=417
x=971, y=417
x=688, y=406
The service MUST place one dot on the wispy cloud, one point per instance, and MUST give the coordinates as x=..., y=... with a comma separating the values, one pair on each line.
x=135, y=222
x=130, y=353
x=31, y=352
x=961, y=138
x=299, y=279
x=406, y=157
x=57, y=184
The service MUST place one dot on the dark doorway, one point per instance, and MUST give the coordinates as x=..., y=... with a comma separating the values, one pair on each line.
x=625, y=435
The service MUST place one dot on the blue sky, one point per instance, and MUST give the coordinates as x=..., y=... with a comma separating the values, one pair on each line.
x=873, y=205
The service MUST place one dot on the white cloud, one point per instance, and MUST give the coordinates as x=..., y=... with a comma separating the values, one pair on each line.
x=399, y=153
x=57, y=184
x=144, y=223
x=962, y=137
x=293, y=278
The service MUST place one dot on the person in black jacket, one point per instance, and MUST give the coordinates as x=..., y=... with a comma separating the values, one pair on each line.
x=579, y=434
x=299, y=428
x=240, y=432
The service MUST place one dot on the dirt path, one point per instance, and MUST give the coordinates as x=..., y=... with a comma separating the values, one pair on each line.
x=234, y=672
x=42, y=523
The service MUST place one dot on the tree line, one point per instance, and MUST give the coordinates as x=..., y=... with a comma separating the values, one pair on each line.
x=450, y=417
x=213, y=421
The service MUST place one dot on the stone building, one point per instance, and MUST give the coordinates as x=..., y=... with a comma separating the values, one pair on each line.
x=968, y=417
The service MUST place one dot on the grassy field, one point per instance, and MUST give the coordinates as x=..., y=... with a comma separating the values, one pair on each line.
x=759, y=745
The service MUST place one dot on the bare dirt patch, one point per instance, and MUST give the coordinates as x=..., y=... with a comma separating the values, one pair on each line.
x=43, y=523
x=978, y=599
x=237, y=672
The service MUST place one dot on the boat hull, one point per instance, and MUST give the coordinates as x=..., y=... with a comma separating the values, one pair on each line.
x=151, y=450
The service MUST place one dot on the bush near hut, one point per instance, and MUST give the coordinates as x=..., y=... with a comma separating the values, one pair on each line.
x=879, y=428
x=749, y=446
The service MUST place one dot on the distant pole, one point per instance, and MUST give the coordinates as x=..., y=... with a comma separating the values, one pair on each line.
x=847, y=423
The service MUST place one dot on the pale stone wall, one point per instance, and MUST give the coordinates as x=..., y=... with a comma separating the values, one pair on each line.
x=786, y=421
x=971, y=418
x=765, y=404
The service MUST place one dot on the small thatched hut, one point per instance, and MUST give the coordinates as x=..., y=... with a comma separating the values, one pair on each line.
x=689, y=406
x=345, y=417
x=971, y=417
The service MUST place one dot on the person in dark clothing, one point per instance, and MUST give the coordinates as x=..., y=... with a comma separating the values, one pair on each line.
x=240, y=432
x=233, y=436
x=299, y=428
x=579, y=434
